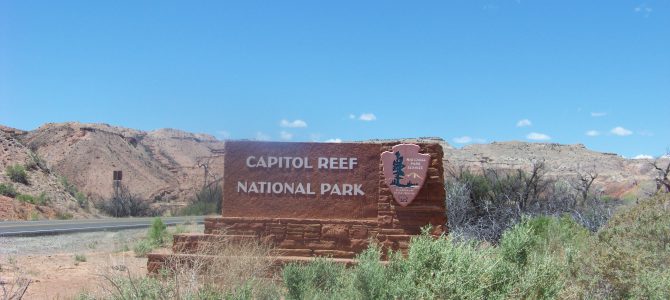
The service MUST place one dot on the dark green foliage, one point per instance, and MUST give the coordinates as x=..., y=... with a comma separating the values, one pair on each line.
x=7, y=190
x=42, y=199
x=142, y=247
x=482, y=206
x=125, y=204
x=80, y=258
x=631, y=254
x=157, y=232
x=319, y=279
x=71, y=189
x=25, y=198
x=207, y=201
x=531, y=262
x=82, y=200
x=17, y=173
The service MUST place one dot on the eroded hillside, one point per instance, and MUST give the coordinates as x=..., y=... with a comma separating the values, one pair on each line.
x=42, y=187
x=617, y=176
x=165, y=166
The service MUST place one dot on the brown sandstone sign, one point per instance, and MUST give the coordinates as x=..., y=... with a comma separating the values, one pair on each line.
x=301, y=180
x=315, y=199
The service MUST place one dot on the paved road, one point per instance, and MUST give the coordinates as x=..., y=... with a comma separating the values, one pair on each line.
x=25, y=228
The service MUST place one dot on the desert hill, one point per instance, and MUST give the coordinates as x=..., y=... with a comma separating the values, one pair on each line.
x=617, y=176
x=42, y=183
x=168, y=166
x=165, y=166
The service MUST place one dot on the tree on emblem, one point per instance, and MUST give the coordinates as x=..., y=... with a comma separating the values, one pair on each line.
x=399, y=173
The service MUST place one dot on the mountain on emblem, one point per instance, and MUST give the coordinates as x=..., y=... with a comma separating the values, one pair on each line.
x=402, y=159
x=414, y=176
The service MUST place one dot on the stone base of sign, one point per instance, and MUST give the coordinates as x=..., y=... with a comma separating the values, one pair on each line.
x=300, y=239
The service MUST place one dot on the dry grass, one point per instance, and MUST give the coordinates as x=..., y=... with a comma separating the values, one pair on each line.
x=216, y=268
x=221, y=262
x=13, y=287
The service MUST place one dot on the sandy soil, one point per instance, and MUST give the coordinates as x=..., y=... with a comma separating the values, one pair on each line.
x=49, y=261
x=59, y=276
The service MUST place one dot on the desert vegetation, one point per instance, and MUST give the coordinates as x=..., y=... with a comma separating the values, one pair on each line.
x=123, y=203
x=543, y=257
x=207, y=201
x=17, y=173
x=539, y=257
x=224, y=269
x=482, y=205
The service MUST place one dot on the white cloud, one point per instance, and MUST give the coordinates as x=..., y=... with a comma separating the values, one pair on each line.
x=293, y=124
x=223, y=134
x=523, y=123
x=285, y=135
x=467, y=139
x=367, y=117
x=593, y=133
x=535, y=136
x=643, y=9
x=336, y=140
x=262, y=136
x=643, y=156
x=352, y=116
x=620, y=131
x=598, y=114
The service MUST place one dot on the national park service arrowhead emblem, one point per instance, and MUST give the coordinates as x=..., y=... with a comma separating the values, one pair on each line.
x=405, y=171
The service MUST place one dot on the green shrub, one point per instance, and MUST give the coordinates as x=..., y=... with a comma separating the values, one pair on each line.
x=80, y=258
x=142, y=247
x=652, y=285
x=61, y=215
x=71, y=189
x=7, y=190
x=125, y=204
x=82, y=200
x=17, y=173
x=207, y=201
x=67, y=186
x=25, y=198
x=534, y=260
x=370, y=276
x=319, y=279
x=35, y=162
x=141, y=288
x=42, y=199
x=631, y=254
x=157, y=232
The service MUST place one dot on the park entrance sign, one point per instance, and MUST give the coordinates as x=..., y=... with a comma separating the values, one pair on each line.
x=331, y=198
x=301, y=180
x=326, y=199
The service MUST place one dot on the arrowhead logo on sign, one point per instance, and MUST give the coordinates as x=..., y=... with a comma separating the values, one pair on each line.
x=405, y=171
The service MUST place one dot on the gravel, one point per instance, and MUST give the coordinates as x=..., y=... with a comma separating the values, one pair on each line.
x=101, y=241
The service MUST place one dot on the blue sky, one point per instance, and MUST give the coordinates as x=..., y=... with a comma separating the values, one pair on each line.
x=591, y=72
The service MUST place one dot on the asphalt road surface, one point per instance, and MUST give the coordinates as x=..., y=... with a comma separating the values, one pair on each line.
x=26, y=228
